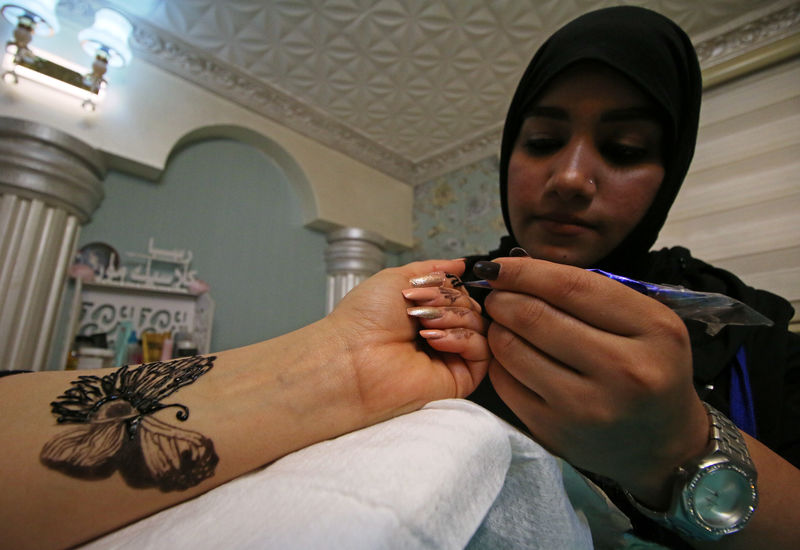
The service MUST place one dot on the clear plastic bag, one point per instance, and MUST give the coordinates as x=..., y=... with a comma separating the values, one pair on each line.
x=714, y=309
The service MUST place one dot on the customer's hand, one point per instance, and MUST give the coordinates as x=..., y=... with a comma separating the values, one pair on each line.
x=599, y=373
x=393, y=368
x=451, y=321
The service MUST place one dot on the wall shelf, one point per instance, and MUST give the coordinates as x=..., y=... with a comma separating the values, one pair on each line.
x=99, y=307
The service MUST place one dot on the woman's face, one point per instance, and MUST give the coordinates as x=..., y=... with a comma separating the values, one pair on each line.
x=585, y=167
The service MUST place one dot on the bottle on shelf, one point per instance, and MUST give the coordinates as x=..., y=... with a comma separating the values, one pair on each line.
x=184, y=345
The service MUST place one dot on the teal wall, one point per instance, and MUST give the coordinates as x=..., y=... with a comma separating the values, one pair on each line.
x=458, y=214
x=235, y=209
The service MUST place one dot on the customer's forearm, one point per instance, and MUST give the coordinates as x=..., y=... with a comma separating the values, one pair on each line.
x=245, y=408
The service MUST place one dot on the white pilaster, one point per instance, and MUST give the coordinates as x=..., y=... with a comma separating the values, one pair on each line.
x=353, y=254
x=50, y=184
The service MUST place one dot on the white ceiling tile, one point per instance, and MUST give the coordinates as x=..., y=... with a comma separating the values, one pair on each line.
x=420, y=84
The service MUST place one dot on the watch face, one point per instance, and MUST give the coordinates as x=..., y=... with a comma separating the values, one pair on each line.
x=721, y=497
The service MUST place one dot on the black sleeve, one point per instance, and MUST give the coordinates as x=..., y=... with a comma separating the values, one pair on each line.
x=786, y=439
x=10, y=372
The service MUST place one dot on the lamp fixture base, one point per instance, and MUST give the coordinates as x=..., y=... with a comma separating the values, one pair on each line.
x=84, y=84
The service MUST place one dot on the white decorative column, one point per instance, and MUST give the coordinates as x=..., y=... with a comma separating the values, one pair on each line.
x=352, y=255
x=50, y=184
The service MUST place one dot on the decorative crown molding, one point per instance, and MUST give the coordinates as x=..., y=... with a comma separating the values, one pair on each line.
x=748, y=37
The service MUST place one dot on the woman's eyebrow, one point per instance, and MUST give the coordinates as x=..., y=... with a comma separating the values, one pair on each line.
x=547, y=112
x=614, y=115
x=632, y=113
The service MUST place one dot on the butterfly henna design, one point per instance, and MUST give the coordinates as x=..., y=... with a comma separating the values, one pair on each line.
x=114, y=428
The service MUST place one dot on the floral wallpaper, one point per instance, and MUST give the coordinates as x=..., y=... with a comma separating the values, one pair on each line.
x=458, y=214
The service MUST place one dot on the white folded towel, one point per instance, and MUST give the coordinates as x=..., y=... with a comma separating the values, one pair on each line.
x=447, y=476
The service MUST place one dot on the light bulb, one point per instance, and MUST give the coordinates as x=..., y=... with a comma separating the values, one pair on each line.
x=41, y=12
x=109, y=34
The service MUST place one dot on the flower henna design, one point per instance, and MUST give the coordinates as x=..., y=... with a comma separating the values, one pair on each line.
x=450, y=294
x=455, y=280
x=114, y=428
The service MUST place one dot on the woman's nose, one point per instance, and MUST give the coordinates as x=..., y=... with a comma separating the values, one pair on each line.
x=572, y=177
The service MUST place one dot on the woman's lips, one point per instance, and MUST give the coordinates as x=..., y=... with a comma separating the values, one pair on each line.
x=564, y=225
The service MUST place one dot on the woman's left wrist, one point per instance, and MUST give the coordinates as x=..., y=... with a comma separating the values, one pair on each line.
x=654, y=487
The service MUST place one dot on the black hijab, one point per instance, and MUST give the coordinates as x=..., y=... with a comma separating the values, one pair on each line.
x=655, y=54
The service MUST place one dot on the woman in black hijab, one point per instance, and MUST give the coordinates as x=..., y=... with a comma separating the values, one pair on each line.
x=598, y=139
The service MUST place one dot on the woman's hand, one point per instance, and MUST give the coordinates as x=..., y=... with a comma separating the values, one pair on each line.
x=599, y=373
x=394, y=371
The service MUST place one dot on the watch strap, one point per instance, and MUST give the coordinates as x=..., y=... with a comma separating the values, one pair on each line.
x=725, y=438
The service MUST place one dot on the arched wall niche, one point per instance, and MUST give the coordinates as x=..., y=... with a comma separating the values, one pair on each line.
x=231, y=198
x=273, y=149
x=324, y=180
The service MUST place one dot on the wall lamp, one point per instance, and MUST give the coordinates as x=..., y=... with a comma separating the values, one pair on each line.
x=106, y=41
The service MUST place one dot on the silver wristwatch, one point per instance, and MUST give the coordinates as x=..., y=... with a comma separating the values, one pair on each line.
x=716, y=494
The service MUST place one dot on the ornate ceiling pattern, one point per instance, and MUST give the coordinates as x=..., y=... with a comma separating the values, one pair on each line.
x=413, y=88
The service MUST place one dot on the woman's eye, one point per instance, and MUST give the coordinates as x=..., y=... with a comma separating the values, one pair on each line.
x=619, y=153
x=542, y=146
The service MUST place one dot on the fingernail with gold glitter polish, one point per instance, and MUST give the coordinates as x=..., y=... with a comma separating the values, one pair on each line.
x=486, y=270
x=432, y=334
x=434, y=278
x=425, y=312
